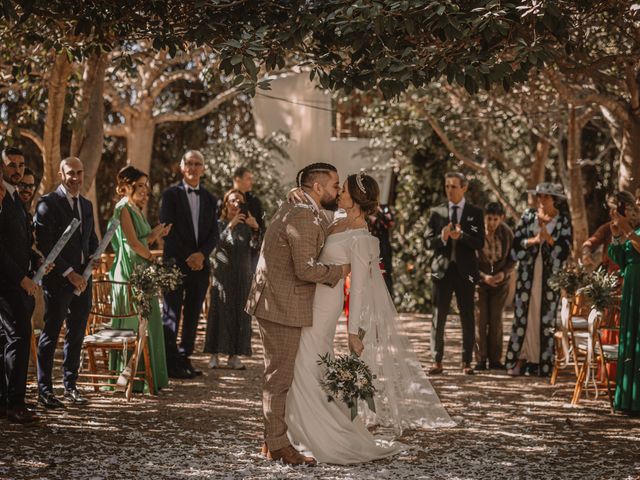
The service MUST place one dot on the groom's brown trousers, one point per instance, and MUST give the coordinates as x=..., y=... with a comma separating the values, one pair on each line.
x=280, y=348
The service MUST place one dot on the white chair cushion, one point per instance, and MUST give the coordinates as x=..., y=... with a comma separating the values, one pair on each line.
x=112, y=335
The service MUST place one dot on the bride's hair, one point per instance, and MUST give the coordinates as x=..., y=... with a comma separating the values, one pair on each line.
x=364, y=192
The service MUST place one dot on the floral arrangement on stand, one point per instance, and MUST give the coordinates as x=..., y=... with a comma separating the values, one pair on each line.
x=601, y=289
x=148, y=281
x=570, y=279
x=347, y=378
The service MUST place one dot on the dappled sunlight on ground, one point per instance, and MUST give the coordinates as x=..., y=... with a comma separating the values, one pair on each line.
x=210, y=427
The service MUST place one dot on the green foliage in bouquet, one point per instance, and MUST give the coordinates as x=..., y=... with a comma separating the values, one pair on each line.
x=570, y=279
x=347, y=378
x=600, y=289
x=148, y=281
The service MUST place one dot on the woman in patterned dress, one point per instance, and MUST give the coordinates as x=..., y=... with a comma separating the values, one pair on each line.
x=541, y=246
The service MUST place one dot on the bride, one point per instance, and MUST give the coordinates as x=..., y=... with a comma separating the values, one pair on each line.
x=404, y=397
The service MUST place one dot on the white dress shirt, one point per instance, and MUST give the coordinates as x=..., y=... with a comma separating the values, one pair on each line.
x=194, y=205
x=460, y=206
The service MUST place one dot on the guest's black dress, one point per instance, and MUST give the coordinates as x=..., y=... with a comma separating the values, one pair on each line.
x=228, y=325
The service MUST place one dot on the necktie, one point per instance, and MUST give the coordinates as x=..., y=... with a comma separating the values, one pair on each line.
x=454, y=222
x=76, y=210
x=193, y=190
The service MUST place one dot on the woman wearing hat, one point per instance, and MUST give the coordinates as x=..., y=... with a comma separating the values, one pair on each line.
x=541, y=246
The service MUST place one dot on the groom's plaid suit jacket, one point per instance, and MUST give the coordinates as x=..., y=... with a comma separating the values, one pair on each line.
x=284, y=283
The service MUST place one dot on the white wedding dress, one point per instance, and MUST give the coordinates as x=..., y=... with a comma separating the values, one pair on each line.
x=404, y=397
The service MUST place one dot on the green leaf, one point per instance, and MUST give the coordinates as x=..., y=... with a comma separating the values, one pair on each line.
x=236, y=59
x=250, y=66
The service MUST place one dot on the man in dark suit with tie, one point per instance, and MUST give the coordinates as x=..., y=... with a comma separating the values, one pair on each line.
x=17, y=290
x=455, y=232
x=54, y=213
x=191, y=209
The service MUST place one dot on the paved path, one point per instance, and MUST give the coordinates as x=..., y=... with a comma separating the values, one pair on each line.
x=211, y=428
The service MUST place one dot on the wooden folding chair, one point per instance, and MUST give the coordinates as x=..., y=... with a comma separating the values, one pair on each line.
x=597, y=354
x=573, y=326
x=103, y=338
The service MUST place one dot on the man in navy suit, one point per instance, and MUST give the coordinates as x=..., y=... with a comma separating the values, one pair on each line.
x=191, y=209
x=17, y=259
x=53, y=214
x=455, y=232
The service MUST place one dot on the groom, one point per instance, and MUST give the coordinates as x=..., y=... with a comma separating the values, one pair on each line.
x=281, y=296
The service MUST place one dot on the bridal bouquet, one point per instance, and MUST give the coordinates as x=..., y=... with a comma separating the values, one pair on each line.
x=347, y=378
x=147, y=281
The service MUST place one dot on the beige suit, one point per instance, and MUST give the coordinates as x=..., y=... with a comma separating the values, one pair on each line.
x=281, y=298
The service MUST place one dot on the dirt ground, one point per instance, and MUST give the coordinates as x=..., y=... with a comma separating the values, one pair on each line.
x=210, y=427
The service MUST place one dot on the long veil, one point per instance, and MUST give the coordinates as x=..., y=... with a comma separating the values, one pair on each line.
x=405, y=399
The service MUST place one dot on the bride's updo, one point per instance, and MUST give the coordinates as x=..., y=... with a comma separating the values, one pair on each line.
x=364, y=192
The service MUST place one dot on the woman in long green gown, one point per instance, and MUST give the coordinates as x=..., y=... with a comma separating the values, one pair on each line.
x=131, y=247
x=625, y=251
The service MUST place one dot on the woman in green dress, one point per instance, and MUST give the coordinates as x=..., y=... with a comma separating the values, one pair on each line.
x=625, y=251
x=131, y=247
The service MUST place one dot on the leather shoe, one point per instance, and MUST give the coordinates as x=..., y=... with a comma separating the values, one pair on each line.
x=466, y=368
x=193, y=371
x=291, y=456
x=480, y=366
x=49, y=400
x=496, y=366
x=265, y=451
x=179, y=372
x=436, y=369
x=22, y=415
x=73, y=395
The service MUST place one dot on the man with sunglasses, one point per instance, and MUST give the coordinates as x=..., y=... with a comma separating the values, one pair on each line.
x=27, y=188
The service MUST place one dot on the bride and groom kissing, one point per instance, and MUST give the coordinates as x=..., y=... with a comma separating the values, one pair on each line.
x=297, y=297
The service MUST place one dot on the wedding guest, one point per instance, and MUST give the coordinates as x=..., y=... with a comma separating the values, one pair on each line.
x=54, y=212
x=243, y=181
x=191, y=210
x=496, y=265
x=16, y=292
x=541, y=246
x=27, y=188
x=601, y=238
x=131, y=248
x=228, y=325
x=380, y=225
x=455, y=232
x=625, y=251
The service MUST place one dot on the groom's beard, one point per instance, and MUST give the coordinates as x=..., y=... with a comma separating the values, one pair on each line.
x=331, y=204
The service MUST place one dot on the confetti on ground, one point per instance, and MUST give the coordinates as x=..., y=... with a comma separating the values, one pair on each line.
x=210, y=428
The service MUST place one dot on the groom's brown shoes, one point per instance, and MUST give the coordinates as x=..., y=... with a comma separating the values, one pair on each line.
x=291, y=456
x=265, y=451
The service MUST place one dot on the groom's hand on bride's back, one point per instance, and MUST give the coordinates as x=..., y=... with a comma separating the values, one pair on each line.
x=346, y=270
x=355, y=344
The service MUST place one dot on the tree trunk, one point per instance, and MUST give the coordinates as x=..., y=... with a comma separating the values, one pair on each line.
x=575, y=188
x=629, y=176
x=52, y=155
x=536, y=174
x=87, y=140
x=140, y=133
